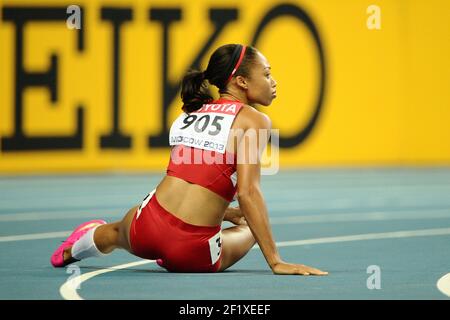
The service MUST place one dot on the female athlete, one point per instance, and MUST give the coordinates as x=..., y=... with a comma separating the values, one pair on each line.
x=179, y=223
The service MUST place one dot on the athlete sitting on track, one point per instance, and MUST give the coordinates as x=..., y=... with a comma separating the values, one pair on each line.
x=179, y=223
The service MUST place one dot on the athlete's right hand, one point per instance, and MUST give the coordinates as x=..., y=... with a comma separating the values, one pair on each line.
x=300, y=269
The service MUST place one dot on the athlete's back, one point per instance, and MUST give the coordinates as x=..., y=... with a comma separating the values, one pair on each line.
x=200, y=203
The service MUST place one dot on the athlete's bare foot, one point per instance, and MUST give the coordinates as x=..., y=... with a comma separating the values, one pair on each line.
x=68, y=259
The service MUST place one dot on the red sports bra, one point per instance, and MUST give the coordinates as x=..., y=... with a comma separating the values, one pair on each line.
x=199, y=154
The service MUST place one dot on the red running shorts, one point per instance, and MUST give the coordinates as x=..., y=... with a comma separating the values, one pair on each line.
x=156, y=234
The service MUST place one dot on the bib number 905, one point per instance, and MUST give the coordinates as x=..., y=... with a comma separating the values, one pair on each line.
x=202, y=123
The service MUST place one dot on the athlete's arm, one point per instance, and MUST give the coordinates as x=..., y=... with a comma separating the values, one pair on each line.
x=251, y=200
x=249, y=194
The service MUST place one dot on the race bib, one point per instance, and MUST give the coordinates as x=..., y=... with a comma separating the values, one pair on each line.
x=144, y=203
x=207, y=128
x=215, y=247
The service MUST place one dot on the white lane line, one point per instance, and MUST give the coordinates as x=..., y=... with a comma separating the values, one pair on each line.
x=318, y=218
x=366, y=216
x=60, y=215
x=36, y=236
x=443, y=284
x=407, y=214
x=368, y=236
x=68, y=289
x=282, y=205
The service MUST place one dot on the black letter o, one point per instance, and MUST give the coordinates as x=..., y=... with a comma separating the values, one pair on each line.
x=300, y=14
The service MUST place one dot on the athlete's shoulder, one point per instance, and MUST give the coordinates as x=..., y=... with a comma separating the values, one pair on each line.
x=254, y=118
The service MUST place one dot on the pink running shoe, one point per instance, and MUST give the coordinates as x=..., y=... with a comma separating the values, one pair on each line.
x=57, y=258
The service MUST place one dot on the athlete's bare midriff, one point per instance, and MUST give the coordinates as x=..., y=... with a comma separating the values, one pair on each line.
x=190, y=202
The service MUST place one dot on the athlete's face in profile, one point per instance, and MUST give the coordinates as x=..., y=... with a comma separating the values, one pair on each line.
x=261, y=86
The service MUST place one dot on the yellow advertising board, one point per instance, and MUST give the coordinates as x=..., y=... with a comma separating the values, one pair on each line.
x=93, y=86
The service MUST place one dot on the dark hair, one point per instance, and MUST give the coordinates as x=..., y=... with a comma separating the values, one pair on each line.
x=194, y=89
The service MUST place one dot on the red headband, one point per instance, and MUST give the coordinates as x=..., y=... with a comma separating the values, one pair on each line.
x=241, y=57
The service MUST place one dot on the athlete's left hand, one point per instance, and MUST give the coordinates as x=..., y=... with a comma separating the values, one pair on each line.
x=235, y=216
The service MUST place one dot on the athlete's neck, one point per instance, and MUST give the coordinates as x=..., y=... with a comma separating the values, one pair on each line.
x=234, y=97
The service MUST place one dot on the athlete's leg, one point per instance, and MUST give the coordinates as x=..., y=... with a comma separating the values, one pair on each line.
x=124, y=229
x=236, y=242
x=110, y=236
